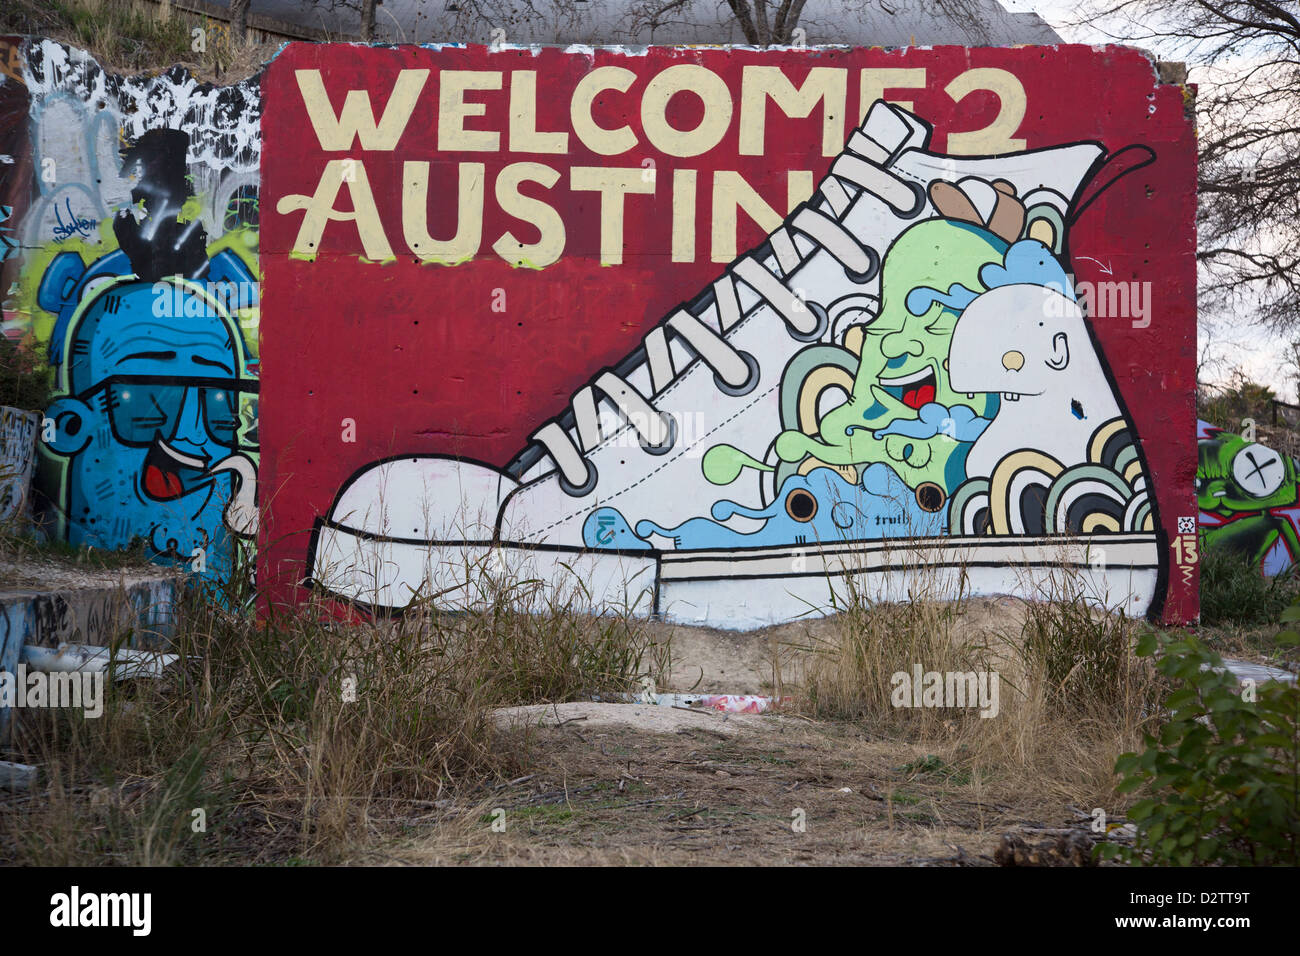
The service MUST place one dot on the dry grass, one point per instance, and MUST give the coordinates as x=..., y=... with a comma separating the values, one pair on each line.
x=304, y=738
x=1072, y=694
x=126, y=36
x=313, y=738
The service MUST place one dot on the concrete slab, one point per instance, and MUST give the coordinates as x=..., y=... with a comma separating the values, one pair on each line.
x=96, y=614
x=1259, y=673
x=650, y=718
x=84, y=607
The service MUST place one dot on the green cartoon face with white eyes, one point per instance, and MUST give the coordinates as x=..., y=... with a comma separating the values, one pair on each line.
x=1239, y=476
x=1238, y=486
x=901, y=410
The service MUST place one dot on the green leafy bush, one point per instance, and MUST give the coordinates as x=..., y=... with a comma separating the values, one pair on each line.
x=1221, y=782
x=1240, y=400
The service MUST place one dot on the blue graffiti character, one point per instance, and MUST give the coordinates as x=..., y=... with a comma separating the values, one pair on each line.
x=152, y=428
x=607, y=528
x=818, y=508
x=68, y=281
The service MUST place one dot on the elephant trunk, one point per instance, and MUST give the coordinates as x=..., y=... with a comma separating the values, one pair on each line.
x=241, y=511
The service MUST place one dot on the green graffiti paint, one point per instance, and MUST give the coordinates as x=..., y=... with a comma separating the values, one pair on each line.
x=900, y=346
x=723, y=464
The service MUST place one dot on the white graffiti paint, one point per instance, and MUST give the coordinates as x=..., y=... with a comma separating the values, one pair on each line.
x=17, y=459
x=83, y=115
x=1030, y=345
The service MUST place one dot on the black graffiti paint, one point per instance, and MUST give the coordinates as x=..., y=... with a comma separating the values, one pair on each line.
x=160, y=244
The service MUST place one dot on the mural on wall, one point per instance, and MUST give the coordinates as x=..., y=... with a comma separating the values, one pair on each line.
x=17, y=458
x=1249, y=497
x=15, y=106
x=139, y=277
x=529, y=343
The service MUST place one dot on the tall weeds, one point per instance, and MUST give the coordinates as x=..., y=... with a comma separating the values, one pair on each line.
x=1072, y=693
x=301, y=736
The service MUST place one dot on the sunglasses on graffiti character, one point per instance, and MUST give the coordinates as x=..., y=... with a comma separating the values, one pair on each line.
x=144, y=408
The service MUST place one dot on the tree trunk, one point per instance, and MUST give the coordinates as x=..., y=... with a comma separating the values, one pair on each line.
x=761, y=29
x=787, y=20
x=760, y=21
x=367, y=20
x=741, y=9
x=239, y=20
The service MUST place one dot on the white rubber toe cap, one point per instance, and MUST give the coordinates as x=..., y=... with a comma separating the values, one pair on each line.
x=427, y=499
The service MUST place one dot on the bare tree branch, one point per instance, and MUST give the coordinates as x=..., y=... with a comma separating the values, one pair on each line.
x=1245, y=56
x=239, y=20
x=741, y=9
x=367, y=20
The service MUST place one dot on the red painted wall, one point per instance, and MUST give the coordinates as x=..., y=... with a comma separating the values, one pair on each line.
x=416, y=356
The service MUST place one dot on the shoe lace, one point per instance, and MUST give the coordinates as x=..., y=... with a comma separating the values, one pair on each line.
x=861, y=168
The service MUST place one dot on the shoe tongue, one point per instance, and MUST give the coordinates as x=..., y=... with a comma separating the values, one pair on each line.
x=885, y=132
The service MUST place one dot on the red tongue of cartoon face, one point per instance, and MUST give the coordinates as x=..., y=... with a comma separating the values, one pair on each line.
x=162, y=484
x=917, y=397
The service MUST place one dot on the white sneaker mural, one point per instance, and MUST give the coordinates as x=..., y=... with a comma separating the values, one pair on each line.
x=900, y=376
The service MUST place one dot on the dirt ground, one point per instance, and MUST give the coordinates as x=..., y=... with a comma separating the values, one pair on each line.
x=633, y=783
x=707, y=660
x=616, y=783
x=665, y=786
x=44, y=570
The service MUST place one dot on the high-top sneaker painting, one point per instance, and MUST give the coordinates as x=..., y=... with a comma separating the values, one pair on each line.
x=908, y=377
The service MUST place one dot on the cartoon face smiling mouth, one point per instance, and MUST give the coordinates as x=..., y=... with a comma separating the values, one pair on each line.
x=162, y=477
x=914, y=390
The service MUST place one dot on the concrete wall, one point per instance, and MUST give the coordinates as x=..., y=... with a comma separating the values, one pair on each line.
x=953, y=355
x=96, y=612
x=135, y=271
x=17, y=462
x=721, y=334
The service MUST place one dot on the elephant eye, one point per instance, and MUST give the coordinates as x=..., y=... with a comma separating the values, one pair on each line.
x=800, y=505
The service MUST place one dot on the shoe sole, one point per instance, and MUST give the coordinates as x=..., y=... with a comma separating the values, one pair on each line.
x=782, y=584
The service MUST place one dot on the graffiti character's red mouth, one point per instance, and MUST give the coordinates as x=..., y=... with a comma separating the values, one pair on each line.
x=914, y=390
x=162, y=471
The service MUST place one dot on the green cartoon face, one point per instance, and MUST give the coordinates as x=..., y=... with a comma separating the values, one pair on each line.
x=903, y=359
x=1236, y=475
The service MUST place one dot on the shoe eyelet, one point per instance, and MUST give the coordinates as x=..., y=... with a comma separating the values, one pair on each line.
x=669, y=442
x=586, y=488
x=823, y=323
x=930, y=496
x=745, y=387
x=873, y=270
x=919, y=191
